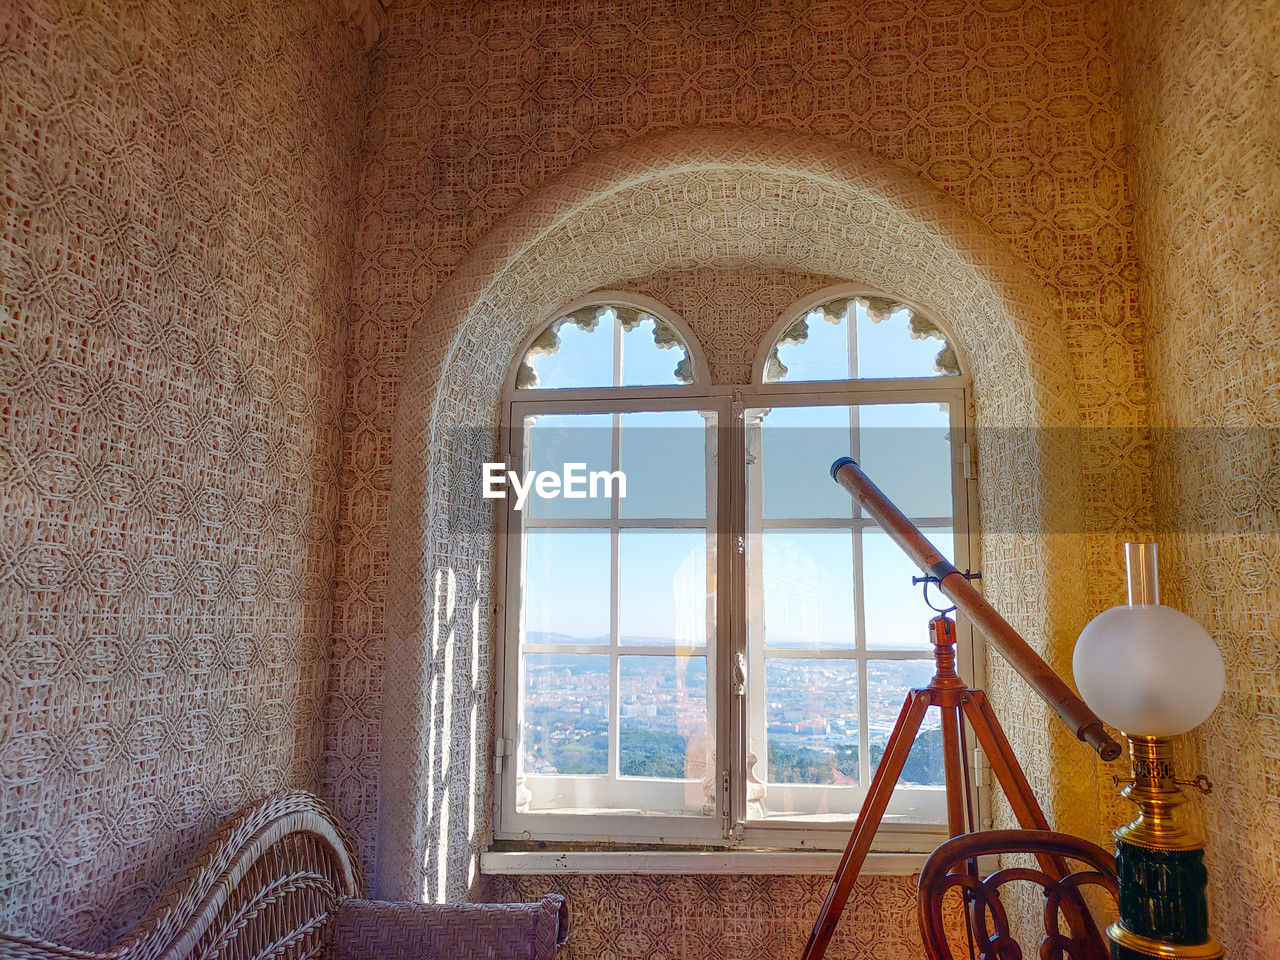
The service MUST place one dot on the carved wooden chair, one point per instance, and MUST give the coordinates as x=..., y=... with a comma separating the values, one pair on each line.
x=948, y=869
x=280, y=880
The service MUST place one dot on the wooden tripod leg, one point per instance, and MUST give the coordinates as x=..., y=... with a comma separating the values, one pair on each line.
x=953, y=772
x=873, y=808
x=1027, y=811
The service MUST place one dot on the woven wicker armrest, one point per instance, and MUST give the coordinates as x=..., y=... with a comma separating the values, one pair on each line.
x=378, y=930
x=26, y=948
x=263, y=888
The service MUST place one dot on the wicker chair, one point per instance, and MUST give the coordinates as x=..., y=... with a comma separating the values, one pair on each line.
x=280, y=881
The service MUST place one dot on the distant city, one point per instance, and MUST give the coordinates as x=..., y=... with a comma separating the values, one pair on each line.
x=811, y=715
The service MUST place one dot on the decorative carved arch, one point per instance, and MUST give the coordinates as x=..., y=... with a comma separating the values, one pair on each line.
x=720, y=197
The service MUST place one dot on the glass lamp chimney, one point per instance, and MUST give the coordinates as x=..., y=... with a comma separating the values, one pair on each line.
x=1144, y=576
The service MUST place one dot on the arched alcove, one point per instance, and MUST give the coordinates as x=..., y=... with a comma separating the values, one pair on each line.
x=707, y=197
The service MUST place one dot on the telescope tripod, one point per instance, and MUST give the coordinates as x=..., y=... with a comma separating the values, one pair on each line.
x=957, y=703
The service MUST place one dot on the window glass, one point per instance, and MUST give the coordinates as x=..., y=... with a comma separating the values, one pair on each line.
x=566, y=586
x=554, y=440
x=606, y=345
x=863, y=337
x=829, y=595
x=617, y=603
x=662, y=587
x=808, y=588
x=664, y=457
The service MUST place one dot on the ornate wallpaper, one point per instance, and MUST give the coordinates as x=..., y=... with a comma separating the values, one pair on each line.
x=704, y=298
x=176, y=222
x=211, y=303
x=744, y=918
x=1204, y=106
x=1010, y=110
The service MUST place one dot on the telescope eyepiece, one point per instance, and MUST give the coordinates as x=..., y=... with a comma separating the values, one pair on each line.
x=843, y=461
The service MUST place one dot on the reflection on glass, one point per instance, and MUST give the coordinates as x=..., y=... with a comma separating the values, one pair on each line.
x=566, y=586
x=664, y=456
x=663, y=728
x=662, y=587
x=808, y=589
x=897, y=617
x=555, y=440
x=797, y=448
x=905, y=448
x=887, y=684
x=565, y=720
x=812, y=721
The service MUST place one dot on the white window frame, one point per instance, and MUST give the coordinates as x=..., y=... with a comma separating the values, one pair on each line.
x=728, y=828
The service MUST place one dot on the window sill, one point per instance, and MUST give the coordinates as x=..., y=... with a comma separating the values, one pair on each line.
x=650, y=862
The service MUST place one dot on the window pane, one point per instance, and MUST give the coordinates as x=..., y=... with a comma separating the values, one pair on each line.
x=807, y=589
x=812, y=724
x=555, y=440
x=897, y=617
x=566, y=586
x=572, y=355
x=887, y=684
x=565, y=716
x=797, y=447
x=822, y=354
x=905, y=448
x=890, y=341
x=578, y=350
x=653, y=355
x=662, y=587
x=888, y=347
x=665, y=457
x=663, y=726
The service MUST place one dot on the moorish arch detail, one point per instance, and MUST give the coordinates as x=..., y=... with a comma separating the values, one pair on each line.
x=699, y=198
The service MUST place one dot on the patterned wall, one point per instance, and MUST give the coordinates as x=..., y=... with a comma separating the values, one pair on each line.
x=176, y=221
x=715, y=918
x=1009, y=109
x=175, y=290
x=1204, y=105
x=755, y=300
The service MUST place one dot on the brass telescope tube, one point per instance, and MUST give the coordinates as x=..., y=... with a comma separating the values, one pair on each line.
x=1070, y=708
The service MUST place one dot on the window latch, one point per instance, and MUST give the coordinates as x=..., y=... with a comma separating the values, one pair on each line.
x=739, y=674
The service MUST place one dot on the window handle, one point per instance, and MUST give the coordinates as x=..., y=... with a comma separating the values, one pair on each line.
x=739, y=674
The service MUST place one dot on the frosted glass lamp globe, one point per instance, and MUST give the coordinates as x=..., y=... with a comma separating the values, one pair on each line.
x=1149, y=670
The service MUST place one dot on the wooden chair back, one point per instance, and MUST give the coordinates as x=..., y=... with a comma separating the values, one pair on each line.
x=948, y=868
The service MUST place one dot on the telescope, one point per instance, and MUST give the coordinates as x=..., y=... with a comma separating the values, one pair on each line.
x=959, y=705
x=1082, y=721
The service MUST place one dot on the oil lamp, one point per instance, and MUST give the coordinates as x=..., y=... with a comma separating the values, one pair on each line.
x=1154, y=673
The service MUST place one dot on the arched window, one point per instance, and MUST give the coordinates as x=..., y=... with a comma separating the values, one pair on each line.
x=859, y=337
x=606, y=345
x=703, y=641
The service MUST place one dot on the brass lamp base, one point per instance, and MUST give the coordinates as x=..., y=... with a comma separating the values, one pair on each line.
x=1127, y=945
x=1160, y=864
